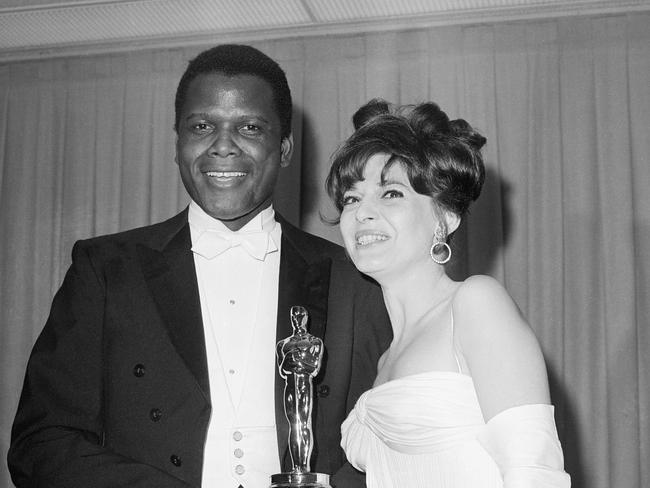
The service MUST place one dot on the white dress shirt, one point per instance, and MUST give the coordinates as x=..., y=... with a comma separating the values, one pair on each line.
x=239, y=296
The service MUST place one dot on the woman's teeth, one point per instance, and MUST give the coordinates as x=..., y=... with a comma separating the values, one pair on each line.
x=366, y=239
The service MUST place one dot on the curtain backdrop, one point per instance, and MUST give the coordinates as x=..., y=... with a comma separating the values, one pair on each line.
x=87, y=148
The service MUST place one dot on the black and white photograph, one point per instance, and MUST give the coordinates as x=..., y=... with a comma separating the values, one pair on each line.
x=324, y=243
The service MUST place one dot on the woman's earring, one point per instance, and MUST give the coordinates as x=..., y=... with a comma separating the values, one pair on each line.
x=439, y=247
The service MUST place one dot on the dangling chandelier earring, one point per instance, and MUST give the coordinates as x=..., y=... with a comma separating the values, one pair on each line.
x=439, y=247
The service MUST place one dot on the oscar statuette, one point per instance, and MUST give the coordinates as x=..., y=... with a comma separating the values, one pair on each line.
x=299, y=359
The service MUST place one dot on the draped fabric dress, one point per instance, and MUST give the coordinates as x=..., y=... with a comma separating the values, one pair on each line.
x=427, y=430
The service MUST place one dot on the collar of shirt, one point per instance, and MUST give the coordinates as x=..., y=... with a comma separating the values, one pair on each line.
x=211, y=237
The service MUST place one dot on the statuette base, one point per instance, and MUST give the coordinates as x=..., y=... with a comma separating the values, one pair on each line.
x=300, y=480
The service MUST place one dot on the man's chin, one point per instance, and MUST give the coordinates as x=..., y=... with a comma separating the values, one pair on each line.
x=234, y=217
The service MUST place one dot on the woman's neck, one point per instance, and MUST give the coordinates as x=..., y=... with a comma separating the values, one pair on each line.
x=411, y=296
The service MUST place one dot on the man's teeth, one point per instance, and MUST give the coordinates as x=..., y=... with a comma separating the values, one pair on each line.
x=370, y=238
x=225, y=174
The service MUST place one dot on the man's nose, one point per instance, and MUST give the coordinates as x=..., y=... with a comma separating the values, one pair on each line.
x=224, y=144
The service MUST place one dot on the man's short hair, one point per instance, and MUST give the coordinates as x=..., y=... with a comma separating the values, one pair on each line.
x=233, y=60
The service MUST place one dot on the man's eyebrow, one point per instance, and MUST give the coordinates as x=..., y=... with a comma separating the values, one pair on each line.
x=257, y=118
x=241, y=117
x=201, y=115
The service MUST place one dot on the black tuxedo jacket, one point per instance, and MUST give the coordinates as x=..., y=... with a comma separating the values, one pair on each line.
x=116, y=392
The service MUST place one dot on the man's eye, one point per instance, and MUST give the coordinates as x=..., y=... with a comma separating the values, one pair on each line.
x=200, y=127
x=393, y=194
x=250, y=129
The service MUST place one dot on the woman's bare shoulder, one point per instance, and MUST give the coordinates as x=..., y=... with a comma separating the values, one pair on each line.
x=500, y=348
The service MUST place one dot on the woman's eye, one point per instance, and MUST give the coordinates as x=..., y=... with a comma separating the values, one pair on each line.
x=393, y=194
x=349, y=199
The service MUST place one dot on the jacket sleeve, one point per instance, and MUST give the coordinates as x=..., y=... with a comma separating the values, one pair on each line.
x=348, y=477
x=372, y=336
x=58, y=433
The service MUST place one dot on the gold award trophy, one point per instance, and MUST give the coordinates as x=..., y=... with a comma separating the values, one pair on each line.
x=299, y=359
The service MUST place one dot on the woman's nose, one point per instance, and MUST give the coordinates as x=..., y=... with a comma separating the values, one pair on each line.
x=366, y=210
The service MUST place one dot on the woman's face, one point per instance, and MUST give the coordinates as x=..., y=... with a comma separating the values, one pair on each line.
x=387, y=226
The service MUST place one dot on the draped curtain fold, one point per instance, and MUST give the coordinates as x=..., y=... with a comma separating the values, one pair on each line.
x=87, y=148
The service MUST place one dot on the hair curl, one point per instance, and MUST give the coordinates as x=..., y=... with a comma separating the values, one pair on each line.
x=442, y=158
x=233, y=60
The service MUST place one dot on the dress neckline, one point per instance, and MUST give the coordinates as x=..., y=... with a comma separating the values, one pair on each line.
x=424, y=373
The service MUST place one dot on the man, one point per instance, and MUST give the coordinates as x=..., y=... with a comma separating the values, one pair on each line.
x=156, y=366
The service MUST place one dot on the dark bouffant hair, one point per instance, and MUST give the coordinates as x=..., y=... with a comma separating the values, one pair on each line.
x=233, y=60
x=442, y=157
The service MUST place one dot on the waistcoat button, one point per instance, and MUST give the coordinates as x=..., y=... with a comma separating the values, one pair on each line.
x=138, y=370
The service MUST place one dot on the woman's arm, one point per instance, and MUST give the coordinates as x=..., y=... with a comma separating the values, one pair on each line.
x=501, y=350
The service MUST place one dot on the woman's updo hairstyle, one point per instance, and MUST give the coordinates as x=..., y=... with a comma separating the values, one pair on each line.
x=441, y=157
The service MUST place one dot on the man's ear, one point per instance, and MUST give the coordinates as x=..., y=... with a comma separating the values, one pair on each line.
x=286, y=150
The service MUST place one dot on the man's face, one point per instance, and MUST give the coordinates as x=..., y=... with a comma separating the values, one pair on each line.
x=229, y=149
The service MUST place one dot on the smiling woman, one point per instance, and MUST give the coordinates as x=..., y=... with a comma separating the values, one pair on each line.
x=382, y=217
x=409, y=166
x=445, y=411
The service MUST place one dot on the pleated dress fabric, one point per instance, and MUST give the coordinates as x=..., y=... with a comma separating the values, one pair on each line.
x=420, y=431
x=427, y=430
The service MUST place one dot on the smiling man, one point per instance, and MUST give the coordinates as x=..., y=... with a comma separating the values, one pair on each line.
x=156, y=367
x=231, y=144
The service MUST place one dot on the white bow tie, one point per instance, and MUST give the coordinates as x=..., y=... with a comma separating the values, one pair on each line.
x=212, y=243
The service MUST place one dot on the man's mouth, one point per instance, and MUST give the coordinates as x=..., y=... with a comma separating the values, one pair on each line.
x=225, y=175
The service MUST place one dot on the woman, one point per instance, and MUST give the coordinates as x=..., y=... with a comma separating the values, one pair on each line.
x=461, y=397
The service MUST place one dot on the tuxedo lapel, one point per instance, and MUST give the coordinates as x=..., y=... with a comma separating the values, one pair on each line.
x=301, y=283
x=170, y=274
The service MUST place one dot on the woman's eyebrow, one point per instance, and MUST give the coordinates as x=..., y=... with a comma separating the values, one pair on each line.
x=392, y=181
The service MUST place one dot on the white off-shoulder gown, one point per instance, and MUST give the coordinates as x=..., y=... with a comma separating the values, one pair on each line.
x=427, y=430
